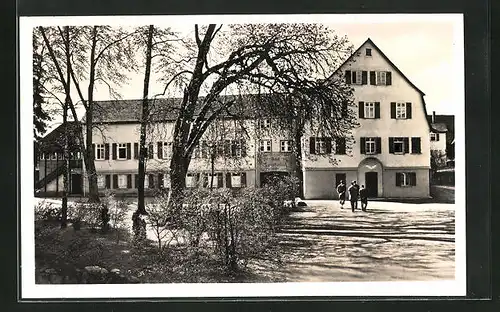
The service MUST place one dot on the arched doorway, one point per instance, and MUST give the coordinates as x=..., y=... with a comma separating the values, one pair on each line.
x=370, y=172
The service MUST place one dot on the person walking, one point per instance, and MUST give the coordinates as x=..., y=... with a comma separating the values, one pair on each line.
x=341, y=188
x=353, y=195
x=363, y=196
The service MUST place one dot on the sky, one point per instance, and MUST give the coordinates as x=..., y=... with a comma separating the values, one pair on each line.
x=428, y=49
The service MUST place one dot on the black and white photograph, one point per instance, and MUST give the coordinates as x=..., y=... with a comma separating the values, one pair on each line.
x=242, y=156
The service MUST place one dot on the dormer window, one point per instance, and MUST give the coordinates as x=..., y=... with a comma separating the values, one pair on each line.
x=368, y=52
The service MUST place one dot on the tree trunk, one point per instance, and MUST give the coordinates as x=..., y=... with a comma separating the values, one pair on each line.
x=90, y=164
x=178, y=171
x=141, y=208
x=64, y=208
x=297, y=133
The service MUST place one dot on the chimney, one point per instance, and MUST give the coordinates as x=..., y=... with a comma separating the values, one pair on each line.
x=433, y=116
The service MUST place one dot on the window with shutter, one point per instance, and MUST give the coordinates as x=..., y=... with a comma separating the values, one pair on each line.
x=377, y=110
x=372, y=78
x=361, y=107
x=398, y=178
x=328, y=143
x=364, y=77
x=401, y=110
x=228, y=180
x=378, y=144
x=415, y=145
x=312, y=145
x=114, y=151
x=408, y=110
x=220, y=180
x=370, y=146
x=136, y=150
x=243, y=179
x=108, y=181
x=129, y=152
x=406, y=145
x=344, y=109
x=129, y=181
x=151, y=180
x=370, y=110
x=362, y=145
x=106, y=151
x=388, y=77
x=393, y=110
x=99, y=151
x=391, y=145
x=340, y=146
x=348, y=76
x=159, y=151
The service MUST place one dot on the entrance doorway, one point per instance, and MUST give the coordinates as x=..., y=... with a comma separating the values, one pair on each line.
x=76, y=184
x=371, y=180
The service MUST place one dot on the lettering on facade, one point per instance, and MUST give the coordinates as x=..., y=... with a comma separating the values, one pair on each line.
x=276, y=162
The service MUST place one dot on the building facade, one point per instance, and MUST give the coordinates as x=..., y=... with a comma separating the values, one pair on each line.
x=390, y=156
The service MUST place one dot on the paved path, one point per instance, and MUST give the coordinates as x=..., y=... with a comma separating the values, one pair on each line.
x=392, y=241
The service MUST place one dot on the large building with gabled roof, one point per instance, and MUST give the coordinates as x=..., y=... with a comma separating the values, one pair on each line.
x=390, y=156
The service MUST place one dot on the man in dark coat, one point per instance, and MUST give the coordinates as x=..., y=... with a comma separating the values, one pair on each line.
x=353, y=195
x=341, y=188
x=363, y=196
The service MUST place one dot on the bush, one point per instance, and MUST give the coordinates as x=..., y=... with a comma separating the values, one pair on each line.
x=47, y=212
x=115, y=212
x=85, y=213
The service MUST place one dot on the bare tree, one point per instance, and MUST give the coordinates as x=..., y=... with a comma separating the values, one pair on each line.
x=292, y=61
x=98, y=56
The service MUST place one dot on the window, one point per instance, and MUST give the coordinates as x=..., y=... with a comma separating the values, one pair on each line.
x=381, y=78
x=369, y=110
x=265, y=124
x=101, y=181
x=190, y=181
x=166, y=181
x=42, y=156
x=146, y=181
x=122, y=181
x=320, y=146
x=370, y=146
x=434, y=137
x=400, y=110
x=235, y=180
x=357, y=77
x=399, y=146
x=167, y=150
x=368, y=52
x=406, y=179
x=265, y=145
x=99, y=151
x=122, y=151
x=286, y=145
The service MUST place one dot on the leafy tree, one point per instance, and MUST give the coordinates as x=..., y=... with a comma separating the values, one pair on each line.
x=40, y=116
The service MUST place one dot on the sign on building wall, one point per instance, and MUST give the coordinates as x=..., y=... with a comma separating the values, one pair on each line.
x=276, y=162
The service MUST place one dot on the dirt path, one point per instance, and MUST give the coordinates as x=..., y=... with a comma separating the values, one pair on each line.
x=391, y=241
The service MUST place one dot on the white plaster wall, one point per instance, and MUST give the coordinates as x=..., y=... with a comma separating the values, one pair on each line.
x=439, y=145
x=385, y=127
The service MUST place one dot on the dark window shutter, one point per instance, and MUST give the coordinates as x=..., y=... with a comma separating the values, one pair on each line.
x=227, y=148
x=94, y=151
x=115, y=181
x=364, y=77
x=243, y=148
x=136, y=150
x=407, y=145
x=393, y=110
x=378, y=145
x=377, y=109
x=243, y=179
x=372, y=78
x=160, y=150
x=388, y=78
x=136, y=180
x=344, y=109
x=108, y=181
x=408, y=110
x=228, y=180
x=353, y=76
x=398, y=178
x=348, y=76
x=361, y=107
x=129, y=152
x=113, y=149
x=413, y=179
x=106, y=151
x=340, y=146
x=362, y=145
x=151, y=182
x=160, y=180
x=150, y=151
x=391, y=145
x=220, y=179
x=312, y=145
x=129, y=181
x=415, y=145
x=328, y=145
x=437, y=136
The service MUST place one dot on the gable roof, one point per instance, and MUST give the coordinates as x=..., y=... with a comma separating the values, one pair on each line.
x=446, y=121
x=350, y=58
x=54, y=140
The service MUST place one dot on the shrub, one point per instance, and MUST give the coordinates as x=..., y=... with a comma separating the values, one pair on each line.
x=85, y=213
x=116, y=212
x=47, y=212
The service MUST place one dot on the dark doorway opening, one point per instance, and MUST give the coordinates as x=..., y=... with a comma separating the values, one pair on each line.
x=371, y=180
x=76, y=184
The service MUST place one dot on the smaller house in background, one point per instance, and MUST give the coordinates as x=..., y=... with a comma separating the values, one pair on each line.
x=442, y=138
